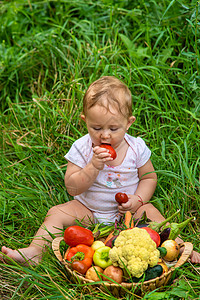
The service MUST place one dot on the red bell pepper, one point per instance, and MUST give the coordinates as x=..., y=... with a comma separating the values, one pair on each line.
x=80, y=258
x=75, y=235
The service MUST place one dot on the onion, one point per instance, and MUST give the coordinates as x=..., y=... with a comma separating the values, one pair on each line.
x=114, y=273
x=173, y=250
x=93, y=273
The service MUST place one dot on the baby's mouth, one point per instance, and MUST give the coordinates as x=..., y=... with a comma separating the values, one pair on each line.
x=106, y=144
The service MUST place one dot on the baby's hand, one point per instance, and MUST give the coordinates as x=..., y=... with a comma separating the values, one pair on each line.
x=132, y=205
x=100, y=157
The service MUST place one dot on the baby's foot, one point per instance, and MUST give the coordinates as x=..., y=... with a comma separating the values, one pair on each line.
x=25, y=256
x=195, y=257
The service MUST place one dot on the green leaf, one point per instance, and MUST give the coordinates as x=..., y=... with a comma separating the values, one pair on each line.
x=157, y=296
x=127, y=42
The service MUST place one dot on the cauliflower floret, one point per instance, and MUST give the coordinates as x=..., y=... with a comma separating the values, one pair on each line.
x=143, y=253
x=127, y=251
x=153, y=259
x=135, y=250
x=136, y=266
x=120, y=241
x=117, y=258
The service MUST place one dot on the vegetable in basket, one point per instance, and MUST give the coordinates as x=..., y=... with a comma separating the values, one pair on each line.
x=153, y=272
x=111, y=239
x=101, y=257
x=170, y=231
x=149, y=274
x=135, y=250
x=97, y=244
x=75, y=235
x=176, y=228
x=163, y=265
x=172, y=249
x=113, y=274
x=94, y=273
x=163, y=251
x=80, y=258
x=153, y=234
x=118, y=227
x=157, y=226
x=164, y=234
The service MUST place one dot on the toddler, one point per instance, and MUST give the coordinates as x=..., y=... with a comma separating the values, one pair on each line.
x=93, y=177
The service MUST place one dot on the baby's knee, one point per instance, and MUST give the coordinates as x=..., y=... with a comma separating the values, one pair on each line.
x=52, y=211
x=58, y=215
x=69, y=212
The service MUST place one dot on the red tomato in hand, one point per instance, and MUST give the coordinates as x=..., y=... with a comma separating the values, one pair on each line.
x=153, y=234
x=110, y=149
x=121, y=198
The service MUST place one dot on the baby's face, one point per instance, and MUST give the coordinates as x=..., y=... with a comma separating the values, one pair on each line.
x=106, y=126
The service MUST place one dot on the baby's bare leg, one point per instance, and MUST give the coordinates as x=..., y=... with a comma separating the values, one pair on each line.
x=59, y=216
x=152, y=213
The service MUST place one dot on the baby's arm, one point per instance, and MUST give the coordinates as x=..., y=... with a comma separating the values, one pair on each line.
x=78, y=180
x=148, y=182
x=145, y=189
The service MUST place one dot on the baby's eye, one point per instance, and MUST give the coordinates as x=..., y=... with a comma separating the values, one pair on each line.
x=113, y=129
x=96, y=128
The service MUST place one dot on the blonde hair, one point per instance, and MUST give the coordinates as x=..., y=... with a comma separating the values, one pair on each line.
x=111, y=89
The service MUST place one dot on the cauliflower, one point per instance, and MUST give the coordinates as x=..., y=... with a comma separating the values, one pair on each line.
x=135, y=250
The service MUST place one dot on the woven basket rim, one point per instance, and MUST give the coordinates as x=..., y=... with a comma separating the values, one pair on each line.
x=188, y=247
x=123, y=284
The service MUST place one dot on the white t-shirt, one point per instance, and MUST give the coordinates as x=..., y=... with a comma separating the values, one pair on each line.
x=100, y=197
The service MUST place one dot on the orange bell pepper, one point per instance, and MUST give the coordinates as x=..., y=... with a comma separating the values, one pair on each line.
x=80, y=258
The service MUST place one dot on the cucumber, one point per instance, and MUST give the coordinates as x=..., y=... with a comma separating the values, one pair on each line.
x=150, y=273
x=163, y=251
x=153, y=272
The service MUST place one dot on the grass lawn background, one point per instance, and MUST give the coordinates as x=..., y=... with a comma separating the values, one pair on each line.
x=50, y=51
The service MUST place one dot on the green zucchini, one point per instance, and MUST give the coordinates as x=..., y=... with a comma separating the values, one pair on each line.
x=163, y=251
x=150, y=273
x=153, y=272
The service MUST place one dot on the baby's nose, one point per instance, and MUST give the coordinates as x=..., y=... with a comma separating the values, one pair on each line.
x=105, y=134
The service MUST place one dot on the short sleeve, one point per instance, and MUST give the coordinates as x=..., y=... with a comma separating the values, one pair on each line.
x=80, y=151
x=143, y=153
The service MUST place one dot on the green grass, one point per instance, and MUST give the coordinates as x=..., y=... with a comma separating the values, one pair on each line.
x=50, y=51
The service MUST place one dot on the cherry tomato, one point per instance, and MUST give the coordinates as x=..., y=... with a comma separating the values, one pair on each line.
x=110, y=149
x=153, y=234
x=121, y=198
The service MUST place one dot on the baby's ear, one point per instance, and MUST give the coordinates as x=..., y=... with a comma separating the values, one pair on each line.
x=131, y=120
x=83, y=117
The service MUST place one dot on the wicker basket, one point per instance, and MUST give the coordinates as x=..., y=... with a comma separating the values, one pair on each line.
x=119, y=290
